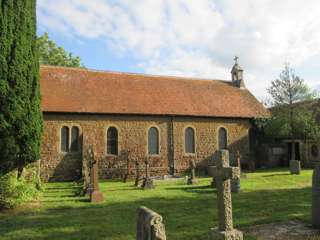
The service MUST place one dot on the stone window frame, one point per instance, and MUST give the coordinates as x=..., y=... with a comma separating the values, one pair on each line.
x=184, y=140
x=70, y=126
x=106, y=140
x=147, y=140
x=217, y=136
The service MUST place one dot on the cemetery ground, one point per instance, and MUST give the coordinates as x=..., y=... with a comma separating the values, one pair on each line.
x=189, y=211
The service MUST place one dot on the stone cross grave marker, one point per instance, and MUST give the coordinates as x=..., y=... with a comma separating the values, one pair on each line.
x=223, y=173
x=136, y=183
x=125, y=155
x=89, y=160
x=192, y=177
x=235, y=183
x=149, y=225
x=316, y=197
x=147, y=181
x=95, y=194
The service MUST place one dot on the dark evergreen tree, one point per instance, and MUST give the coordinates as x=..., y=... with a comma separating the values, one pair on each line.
x=20, y=115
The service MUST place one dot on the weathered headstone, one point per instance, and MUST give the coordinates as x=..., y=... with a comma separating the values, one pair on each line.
x=88, y=165
x=192, y=177
x=316, y=197
x=136, y=182
x=126, y=157
x=149, y=225
x=235, y=183
x=295, y=167
x=223, y=173
x=147, y=181
x=95, y=194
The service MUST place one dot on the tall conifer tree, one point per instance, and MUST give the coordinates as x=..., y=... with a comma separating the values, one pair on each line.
x=20, y=115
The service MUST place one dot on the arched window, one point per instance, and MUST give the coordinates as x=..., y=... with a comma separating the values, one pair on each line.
x=153, y=141
x=189, y=141
x=64, y=139
x=223, y=138
x=75, y=139
x=112, y=141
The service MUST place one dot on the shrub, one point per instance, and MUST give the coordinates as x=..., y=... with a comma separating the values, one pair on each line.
x=14, y=191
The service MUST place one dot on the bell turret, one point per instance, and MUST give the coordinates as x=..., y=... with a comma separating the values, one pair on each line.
x=237, y=74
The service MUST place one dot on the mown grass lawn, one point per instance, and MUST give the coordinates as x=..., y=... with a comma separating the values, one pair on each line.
x=188, y=211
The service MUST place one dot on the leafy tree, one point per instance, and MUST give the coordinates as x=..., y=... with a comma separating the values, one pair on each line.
x=51, y=54
x=292, y=116
x=20, y=115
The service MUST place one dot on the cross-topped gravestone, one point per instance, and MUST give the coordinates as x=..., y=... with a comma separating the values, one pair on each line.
x=125, y=155
x=95, y=194
x=147, y=181
x=235, y=183
x=223, y=173
x=136, y=183
x=192, y=177
x=89, y=177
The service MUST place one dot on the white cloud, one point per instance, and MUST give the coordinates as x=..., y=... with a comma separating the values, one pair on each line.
x=196, y=38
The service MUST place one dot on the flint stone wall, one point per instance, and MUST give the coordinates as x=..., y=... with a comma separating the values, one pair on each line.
x=132, y=136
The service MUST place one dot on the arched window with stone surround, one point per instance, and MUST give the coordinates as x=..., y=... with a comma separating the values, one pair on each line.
x=153, y=141
x=75, y=139
x=223, y=138
x=189, y=140
x=112, y=141
x=64, y=139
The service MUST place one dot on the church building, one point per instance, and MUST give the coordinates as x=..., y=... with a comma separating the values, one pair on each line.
x=128, y=118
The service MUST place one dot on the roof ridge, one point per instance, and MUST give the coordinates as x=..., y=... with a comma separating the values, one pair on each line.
x=137, y=74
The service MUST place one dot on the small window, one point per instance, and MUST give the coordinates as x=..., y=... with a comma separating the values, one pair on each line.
x=75, y=139
x=153, y=141
x=189, y=140
x=64, y=139
x=223, y=139
x=314, y=151
x=112, y=141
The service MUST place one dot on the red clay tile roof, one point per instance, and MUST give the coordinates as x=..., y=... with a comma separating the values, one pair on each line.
x=85, y=91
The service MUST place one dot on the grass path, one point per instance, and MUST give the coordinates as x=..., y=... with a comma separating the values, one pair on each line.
x=188, y=211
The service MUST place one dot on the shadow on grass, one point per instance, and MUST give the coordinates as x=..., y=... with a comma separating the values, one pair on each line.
x=186, y=217
x=274, y=175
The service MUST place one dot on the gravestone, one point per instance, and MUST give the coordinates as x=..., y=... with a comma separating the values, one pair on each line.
x=223, y=173
x=149, y=225
x=147, y=181
x=316, y=197
x=136, y=182
x=295, y=167
x=88, y=165
x=85, y=175
x=192, y=177
x=125, y=156
x=95, y=194
x=235, y=183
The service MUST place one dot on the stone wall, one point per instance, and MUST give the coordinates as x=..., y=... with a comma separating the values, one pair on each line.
x=132, y=131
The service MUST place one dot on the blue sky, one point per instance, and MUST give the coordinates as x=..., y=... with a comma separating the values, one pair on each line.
x=196, y=38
